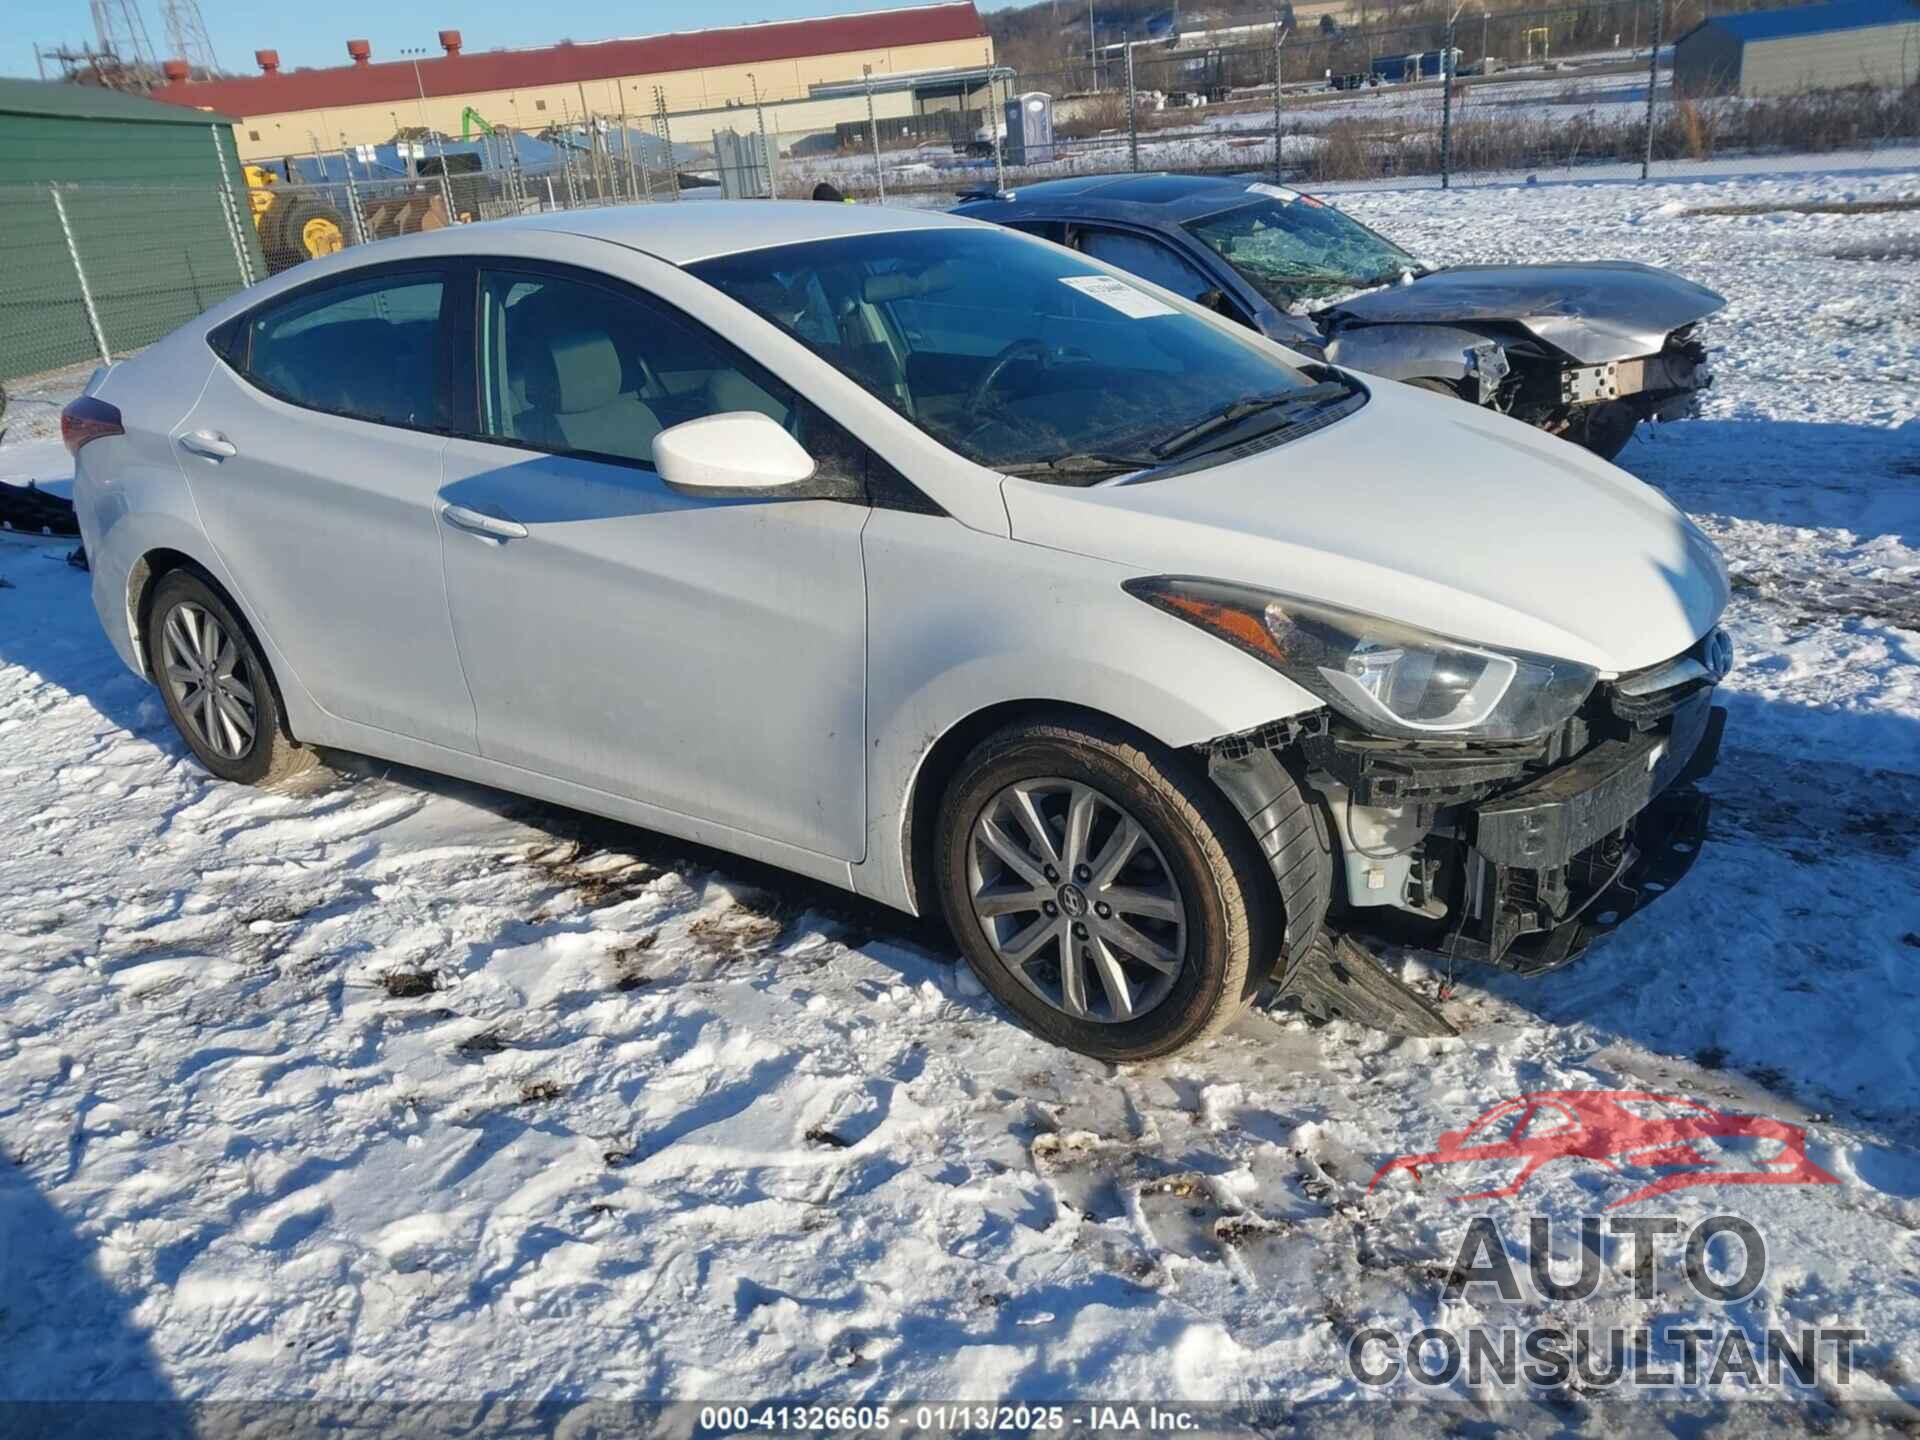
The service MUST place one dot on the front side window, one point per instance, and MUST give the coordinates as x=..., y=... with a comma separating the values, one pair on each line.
x=1012, y=354
x=1149, y=259
x=586, y=369
x=368, y=349
x=1299, y=249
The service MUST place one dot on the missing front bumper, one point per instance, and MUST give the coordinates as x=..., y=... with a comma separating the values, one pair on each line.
x=1571, y=856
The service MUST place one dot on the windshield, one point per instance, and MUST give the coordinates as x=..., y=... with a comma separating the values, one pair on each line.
x=1019, y=356
x=1294, y=249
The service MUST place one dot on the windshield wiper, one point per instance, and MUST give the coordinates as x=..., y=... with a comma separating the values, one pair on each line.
x=1082, y=465
x=1313, y=396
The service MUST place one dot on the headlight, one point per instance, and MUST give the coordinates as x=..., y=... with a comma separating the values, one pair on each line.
x=1388, y=678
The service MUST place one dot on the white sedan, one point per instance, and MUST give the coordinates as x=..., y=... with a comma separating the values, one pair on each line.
x=922, y=557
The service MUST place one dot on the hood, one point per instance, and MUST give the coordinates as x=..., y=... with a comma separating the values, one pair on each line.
x=1607, y=310
x=1425, y=510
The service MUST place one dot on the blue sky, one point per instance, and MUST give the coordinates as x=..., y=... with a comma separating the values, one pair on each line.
x=317, y=34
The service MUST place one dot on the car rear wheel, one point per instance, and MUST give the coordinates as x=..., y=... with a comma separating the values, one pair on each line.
x=216, y=685
x=1103, y=889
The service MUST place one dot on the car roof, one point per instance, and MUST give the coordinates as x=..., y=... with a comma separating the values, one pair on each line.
x=1157, y=199
x=687, y=231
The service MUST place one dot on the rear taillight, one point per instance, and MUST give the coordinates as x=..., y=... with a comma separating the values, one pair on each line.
x=89, y=419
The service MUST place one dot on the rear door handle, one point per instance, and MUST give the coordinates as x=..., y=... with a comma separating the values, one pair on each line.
x=210, y=443
x=491, y=527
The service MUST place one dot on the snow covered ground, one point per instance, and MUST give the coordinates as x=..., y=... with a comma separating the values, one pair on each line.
x=394, y=1088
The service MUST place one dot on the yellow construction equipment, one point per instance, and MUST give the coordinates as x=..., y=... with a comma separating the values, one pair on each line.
x=299, y=222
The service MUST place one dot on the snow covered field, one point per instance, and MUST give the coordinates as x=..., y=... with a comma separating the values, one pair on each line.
x=394, y=1088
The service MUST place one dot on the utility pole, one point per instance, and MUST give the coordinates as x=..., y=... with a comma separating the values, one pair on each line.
x=1133, y=124
x=420, y=87
x=1653, y=79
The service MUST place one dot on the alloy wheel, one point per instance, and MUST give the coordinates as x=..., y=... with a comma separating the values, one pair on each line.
x=210, y=680
x=1076, y=899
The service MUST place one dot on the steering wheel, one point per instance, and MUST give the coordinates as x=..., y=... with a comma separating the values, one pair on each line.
x=1027, y=347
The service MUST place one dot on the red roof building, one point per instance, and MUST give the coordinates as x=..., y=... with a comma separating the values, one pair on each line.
x=456, y=74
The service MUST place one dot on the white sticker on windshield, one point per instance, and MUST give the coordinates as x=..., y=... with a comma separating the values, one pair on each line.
x=1278, y=192
x=1119, y=295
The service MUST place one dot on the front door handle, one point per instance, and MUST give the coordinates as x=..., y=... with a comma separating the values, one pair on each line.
x=210, y=443
x=492, y=527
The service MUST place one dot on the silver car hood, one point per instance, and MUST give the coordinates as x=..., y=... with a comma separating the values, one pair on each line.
x=1427, y=511
x=1603, y=310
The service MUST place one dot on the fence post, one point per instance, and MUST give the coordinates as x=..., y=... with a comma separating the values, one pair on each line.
x=1653, y=80
x=665, y=132
x=1133, y=124
x=873, y=133
x=996, y=117
x=1446, y=104
x=353, y=194
x=235, y=216
x=1279, y=45
x=80, y=273
x=233, y=237
x=766, y=154
x=624, y=188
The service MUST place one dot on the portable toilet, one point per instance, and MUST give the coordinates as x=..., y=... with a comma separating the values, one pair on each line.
x=1030, y=129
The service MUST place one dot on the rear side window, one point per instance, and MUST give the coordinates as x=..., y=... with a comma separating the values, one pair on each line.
x=1053, y=230
x=368, y=349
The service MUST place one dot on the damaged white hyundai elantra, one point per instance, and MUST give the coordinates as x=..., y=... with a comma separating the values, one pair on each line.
x=923, y=557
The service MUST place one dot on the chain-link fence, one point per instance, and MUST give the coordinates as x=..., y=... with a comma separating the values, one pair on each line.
x=91, y=271
x=1487, y=95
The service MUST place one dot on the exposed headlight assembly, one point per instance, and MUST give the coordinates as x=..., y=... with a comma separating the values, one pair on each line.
x=1388, y=678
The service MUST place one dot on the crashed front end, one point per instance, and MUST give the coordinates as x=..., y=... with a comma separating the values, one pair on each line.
x=1583, y=350
x=1516, y=854
x=1603, y=401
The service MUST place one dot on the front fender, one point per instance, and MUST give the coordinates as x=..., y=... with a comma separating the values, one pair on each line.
x=1052, y=628
x=1405, y=352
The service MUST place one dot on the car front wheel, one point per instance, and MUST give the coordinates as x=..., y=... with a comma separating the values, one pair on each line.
x=216, y=684
x=1103, y=889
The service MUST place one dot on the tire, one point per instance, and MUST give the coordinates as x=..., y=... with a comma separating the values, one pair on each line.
x=1193, y=847
x=306, y=219
x=176, y=638
x=1438, y=387
x=1604, y=429
x=273, y=241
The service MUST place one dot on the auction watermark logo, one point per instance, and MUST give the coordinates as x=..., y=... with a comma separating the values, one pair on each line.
x=1677, y=1142
x=1657, y=1144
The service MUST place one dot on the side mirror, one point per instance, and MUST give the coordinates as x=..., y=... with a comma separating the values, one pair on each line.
x=737, y=455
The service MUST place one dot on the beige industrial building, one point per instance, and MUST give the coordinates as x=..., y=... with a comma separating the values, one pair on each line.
x=1805, y=47
x=813, y=73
